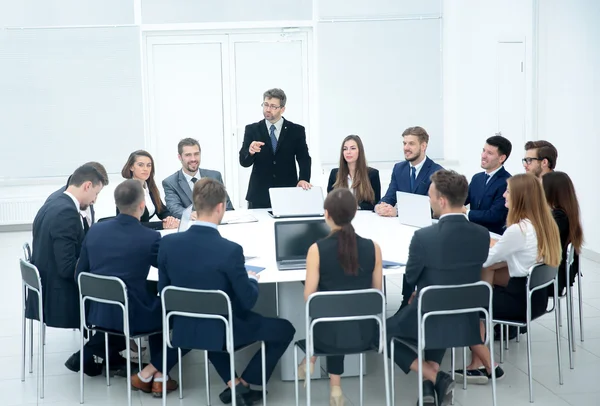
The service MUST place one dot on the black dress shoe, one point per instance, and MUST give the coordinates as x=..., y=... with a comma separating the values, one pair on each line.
x=443, y=388
x=250, y=395
x=90, y=368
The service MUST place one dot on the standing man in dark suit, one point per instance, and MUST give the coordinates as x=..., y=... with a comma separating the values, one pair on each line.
x=89, y=213
x=58, y=232
x=486, y=190
x=178, y=187
x=450, y=252
x=272, y=146
x=411, y=175
x=124, y=248
x=200, y=258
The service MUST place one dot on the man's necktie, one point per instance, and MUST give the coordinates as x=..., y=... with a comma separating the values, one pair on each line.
x=86, y=225
x=194, y=180
x=273, y=139
x=413, y=178
x=487, y=178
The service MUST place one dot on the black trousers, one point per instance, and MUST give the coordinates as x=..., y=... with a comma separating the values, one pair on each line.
x=95, y=347
x=335, y=364
x=259, y=205
x=404, y=356
x=277, y=335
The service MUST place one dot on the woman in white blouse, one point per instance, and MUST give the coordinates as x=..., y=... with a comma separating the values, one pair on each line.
x=531, y=237
x=140, y=166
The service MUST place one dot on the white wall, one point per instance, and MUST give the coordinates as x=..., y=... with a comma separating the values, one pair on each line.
x=569, y=106
x=471, y=31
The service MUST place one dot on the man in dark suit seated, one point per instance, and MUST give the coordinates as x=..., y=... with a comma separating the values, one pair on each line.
x=58, y=232
x=124, y=248
x=90, y=214
x=450, y=252
x=178, y=187
x=411, y=175
x=200, y=258
x=272, y=147
x=486, y=190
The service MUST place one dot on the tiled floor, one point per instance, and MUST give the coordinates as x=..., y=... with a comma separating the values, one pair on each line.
x=62, y=386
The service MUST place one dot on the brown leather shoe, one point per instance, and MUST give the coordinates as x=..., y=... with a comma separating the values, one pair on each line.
x=157, y=387
x=138, y=384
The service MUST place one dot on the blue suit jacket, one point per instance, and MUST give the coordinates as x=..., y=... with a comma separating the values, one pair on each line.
x=401, y=180
x=200, y=258
x=487, y=201
x=124, y=248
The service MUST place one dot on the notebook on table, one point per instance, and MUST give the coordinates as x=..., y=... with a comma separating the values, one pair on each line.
x=289, y=202
x=294, y=238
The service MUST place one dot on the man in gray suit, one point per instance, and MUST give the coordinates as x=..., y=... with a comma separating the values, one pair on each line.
x=450, y=252
x=178, y=187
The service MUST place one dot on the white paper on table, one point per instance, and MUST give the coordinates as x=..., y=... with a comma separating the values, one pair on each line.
x=231, y=217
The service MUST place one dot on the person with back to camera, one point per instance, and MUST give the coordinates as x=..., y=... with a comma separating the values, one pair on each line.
x=140, y=166
x=354, y=174
x=341, y=261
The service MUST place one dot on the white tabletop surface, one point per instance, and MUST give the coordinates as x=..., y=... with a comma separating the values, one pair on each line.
x=258, y=240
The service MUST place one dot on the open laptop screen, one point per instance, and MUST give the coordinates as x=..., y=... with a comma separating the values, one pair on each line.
x=294, y=238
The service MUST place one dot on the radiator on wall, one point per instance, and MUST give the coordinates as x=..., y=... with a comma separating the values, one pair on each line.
x=19, y=211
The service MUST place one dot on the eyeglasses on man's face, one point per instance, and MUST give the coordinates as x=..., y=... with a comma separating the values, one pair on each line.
x=268, y=106
x=529, y=160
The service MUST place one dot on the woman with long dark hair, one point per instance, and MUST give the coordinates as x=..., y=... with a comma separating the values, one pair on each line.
x=354, y=174
x=342, y=261
x=140, y=166
x=562, y=199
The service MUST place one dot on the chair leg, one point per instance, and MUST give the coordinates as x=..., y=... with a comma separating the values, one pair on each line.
x=180, y=369
x=232, y=369
x=106, y=357
x=31, y=346
x=361, y=379
x=23, y=344
x=81, y=332
x=507, y=338
x=139, y=345
x=164, y=362
x=490, y=328
x=263, y=356
x=560, y=376
x=518, y=334
x=529, y=366
x=386, y=377
x=580, y=305
x=420, y=373
x=574, y=347
x=392, y=367
x=308, y=377
x=453, y=368
x=464, y=368
x=206, y=377
x=559, y=308
x=570, y=327
x=128, y=352
x=502, y=344
x=296, y=374
x=41, y=361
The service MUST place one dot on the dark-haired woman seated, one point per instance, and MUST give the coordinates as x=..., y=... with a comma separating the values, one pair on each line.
x=342, y=261
x=354, y=174
x=562, y=199
x=140, y=166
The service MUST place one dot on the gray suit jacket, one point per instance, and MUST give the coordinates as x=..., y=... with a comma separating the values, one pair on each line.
x=451, y=252
x=178, y=194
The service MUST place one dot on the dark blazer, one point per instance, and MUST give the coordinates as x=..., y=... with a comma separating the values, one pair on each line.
x=60, y=191
x=401, y=180
x=124, y=248
x=487, y=201
x=375, y=185
x=450, y=252
x=145, y=219
x=562, y=221
x=178, y=193
x=274, y=169
x=200, y=258
x=57, y=237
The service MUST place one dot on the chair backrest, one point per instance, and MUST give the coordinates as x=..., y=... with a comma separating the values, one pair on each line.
x=27, y=252
x=30, y=276
x=570, y=255
x=99, y=288
x=455, y=299
x=347, y=305
x=541, y=276
x=199, y=304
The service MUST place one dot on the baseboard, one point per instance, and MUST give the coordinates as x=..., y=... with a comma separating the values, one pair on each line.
x=591, y=255
x=15, y=228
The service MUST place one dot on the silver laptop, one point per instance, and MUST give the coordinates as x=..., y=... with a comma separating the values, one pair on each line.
x=294, y=238
x=289, y=202
x=413, y=210
x=185, y=221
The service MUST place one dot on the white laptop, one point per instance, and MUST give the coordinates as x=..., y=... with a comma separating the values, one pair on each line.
x=289, y=202
x=413, y=210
